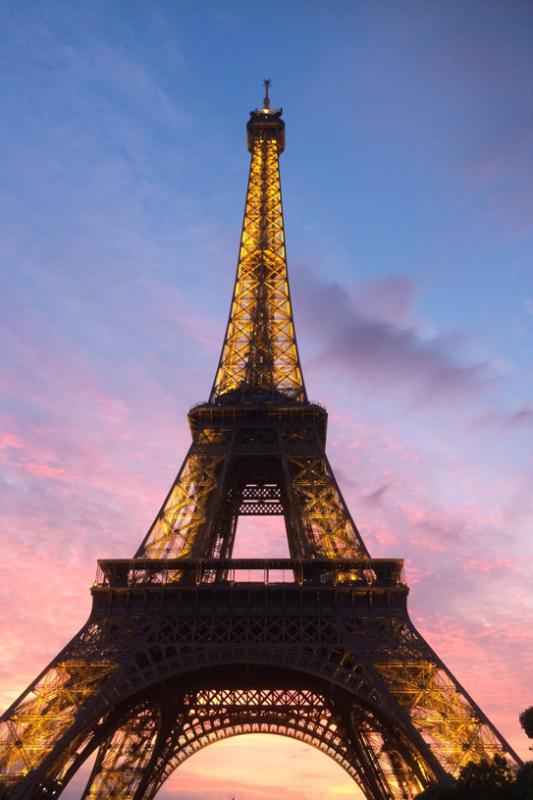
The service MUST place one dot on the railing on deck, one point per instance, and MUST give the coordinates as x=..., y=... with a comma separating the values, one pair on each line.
x=368, y=572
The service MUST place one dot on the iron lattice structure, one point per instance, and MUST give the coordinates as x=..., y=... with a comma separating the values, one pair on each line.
x=186, y=645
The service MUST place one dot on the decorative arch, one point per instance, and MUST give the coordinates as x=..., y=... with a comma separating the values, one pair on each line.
x=197, y=712
x=379, y=746
x=299, y=714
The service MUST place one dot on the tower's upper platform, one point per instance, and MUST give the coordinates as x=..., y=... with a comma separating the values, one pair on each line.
x=266, y=122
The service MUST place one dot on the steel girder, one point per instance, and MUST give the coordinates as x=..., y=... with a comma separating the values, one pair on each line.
x=204, y=716
x=226, y=464
x=260, y=352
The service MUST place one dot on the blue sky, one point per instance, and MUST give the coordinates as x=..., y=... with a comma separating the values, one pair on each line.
x=408, y=142
x=409, y=219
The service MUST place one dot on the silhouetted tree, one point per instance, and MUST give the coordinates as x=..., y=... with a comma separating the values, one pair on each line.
x=526, y=721
x=487, y=780
x=524, y=782
x=439, y=793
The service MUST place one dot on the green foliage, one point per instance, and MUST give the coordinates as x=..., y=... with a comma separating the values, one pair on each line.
x=526, y=721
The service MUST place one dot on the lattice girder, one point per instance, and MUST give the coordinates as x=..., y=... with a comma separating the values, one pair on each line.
x=216, y=714
x=184, y=518
x=228, y=463
x=320, y=506
x=441, y=711
x=32, y=727
x=205, y=716
x=123, y=759
x=259, y=351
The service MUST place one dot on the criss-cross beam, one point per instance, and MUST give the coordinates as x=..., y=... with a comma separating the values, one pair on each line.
x=144, y=752
x=259, y=354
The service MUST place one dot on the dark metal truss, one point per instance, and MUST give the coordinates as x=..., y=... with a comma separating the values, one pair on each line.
x=159, y=739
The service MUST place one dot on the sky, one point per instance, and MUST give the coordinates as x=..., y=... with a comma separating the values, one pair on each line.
x=409, y=220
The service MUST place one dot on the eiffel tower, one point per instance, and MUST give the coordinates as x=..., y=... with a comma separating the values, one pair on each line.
x=186, y=645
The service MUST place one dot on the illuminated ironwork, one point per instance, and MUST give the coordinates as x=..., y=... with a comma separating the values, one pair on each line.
x=186, y=645
x=259, y=352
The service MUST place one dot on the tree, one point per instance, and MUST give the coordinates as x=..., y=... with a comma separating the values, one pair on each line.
x=439, y=793
x=486, y=780
x=526, y=721
x=524, y=782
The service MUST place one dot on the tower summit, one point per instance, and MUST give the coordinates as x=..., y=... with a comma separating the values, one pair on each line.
x=259, y=357
x=186, y=645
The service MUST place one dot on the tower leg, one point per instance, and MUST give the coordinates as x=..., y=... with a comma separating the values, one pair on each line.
x=48, y=715
x=125, y=761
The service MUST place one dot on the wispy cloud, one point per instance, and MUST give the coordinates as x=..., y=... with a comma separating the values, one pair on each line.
x=520, y=419
x=368, y=333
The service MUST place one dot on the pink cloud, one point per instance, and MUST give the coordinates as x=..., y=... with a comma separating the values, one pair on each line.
x=7, y=440
x=487, y=565
x=386, y=537
x=48, y=471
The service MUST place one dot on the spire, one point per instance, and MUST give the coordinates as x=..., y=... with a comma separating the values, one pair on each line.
x=266, y=101
x=260, y=357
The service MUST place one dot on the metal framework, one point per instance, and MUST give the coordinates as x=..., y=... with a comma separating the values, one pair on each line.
x=186, y=645
x=259, y=354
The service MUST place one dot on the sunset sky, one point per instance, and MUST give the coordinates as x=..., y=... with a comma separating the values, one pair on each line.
x=408, y=201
